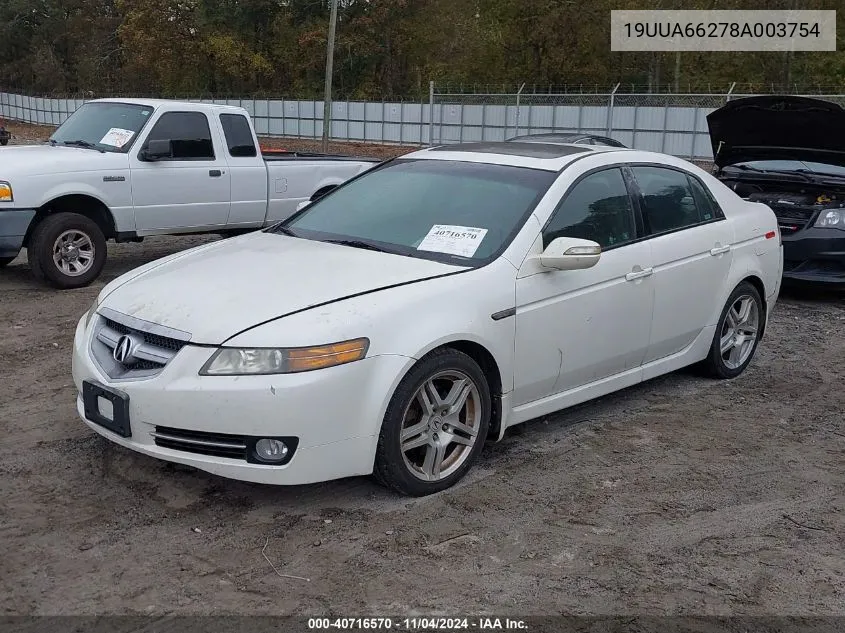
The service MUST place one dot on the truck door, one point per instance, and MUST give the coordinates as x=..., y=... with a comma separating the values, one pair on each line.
x=247, y=169
x=189, y=188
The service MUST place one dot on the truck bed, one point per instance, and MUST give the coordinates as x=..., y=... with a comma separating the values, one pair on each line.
x=271, y=155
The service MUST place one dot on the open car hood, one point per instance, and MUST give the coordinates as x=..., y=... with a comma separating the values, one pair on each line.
x=778, y=128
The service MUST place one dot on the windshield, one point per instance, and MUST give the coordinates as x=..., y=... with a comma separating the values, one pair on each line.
x=800, y=166
x=110, y=127
x=448, y=211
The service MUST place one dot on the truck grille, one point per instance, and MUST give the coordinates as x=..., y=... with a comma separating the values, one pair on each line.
x=143, y=353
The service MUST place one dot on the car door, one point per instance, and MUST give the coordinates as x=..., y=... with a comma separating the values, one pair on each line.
x=691, y=252
x=191, y=188
x=577, y=327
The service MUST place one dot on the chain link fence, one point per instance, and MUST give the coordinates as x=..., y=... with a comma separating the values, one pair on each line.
x=672, y=123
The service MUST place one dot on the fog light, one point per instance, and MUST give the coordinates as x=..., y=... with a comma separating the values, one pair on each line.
x=269, y=450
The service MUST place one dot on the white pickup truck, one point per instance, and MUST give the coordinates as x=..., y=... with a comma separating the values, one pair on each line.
x=124, y=169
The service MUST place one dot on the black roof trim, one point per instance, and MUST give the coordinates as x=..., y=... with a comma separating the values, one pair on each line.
x=511, y=148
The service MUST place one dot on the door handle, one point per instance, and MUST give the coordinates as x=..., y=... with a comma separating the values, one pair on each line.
x=215, y=173
x=718, y=250
x=639, y=274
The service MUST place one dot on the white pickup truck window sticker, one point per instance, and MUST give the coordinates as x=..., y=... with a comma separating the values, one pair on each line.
x=453, y=240
x=117, y=137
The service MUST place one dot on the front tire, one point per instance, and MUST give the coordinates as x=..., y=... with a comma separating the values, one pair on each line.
x=67, y=250
x=737, y=334
x=435, y=425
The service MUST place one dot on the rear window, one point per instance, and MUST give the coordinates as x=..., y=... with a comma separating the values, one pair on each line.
x=238, y=135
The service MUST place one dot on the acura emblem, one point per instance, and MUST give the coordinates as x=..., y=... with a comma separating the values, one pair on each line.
x=122, y=352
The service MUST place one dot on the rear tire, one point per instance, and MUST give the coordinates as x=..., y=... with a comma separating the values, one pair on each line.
x=737, y=334
x=435, y=425
x=5, y=261
x=67, y=250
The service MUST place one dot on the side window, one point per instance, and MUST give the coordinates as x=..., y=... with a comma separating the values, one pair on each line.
x=238, y=135
x=189, y=134
x=704, y=199
x=597, y=208
x=668, y=201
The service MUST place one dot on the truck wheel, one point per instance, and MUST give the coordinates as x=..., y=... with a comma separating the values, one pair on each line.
x=4, y=142
x=67, y=250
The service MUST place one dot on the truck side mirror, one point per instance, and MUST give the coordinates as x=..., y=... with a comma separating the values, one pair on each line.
x=156, y=150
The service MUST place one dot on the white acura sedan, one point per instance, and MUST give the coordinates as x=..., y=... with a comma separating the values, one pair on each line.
x=394, y=325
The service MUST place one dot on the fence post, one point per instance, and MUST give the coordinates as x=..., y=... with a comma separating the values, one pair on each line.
x=516, y=123
x=730, y=92
x=610, y=110
x=430, y=113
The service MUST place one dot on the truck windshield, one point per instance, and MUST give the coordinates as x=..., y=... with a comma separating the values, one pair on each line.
x=451, y=211
x=109, y=127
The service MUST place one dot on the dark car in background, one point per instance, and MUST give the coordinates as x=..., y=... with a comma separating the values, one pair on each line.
x=562, y=137
x=788, y=152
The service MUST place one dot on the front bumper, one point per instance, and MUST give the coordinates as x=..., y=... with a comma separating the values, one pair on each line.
x=335, y=413
x=13, y=226
x=815, y=255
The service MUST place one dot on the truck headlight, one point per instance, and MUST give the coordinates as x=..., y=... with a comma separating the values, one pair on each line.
x=232, y=361
x=832, y=217
x=6, y=192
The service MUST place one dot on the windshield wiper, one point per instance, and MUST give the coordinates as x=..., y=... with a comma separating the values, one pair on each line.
x=284, y=231
x=81, y=143
x=358, y=244
x=821, y=174
x=801, y=173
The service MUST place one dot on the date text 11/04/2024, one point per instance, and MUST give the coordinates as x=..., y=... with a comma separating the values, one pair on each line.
x=417, y=624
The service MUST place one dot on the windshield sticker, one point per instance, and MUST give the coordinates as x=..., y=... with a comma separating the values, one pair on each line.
x=453, y=240
x=117, y=137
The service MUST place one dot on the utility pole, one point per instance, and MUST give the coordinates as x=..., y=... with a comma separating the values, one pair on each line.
x=327, y=98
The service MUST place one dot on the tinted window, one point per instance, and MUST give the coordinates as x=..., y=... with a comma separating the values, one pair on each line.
x=597, y=208
x=238, y=135
x=668, y=202
x=188, y=132
x=404, y=205
x=707, y=207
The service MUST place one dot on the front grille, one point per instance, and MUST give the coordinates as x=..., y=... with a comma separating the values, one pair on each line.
x=153, y=339
x=792, y=219
x=202, y=443
x=150, y=352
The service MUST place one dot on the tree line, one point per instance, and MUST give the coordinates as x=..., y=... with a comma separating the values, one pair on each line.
x=385, y=49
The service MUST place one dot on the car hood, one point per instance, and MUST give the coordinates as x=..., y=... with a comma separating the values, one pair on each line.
x=219, y=291
x=778, y=128
x=37, y=160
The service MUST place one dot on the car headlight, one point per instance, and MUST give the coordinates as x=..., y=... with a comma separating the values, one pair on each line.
x=832, y=217
x=233, y=361
x=6, y=192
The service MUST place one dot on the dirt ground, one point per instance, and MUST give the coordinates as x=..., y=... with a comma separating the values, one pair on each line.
x=679, y=496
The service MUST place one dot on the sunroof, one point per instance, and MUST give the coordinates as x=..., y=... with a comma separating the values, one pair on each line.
x=511, y=148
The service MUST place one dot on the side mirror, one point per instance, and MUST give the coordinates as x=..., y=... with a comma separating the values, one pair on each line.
x=570, y=253
x=302, y=205
x=157, y=149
